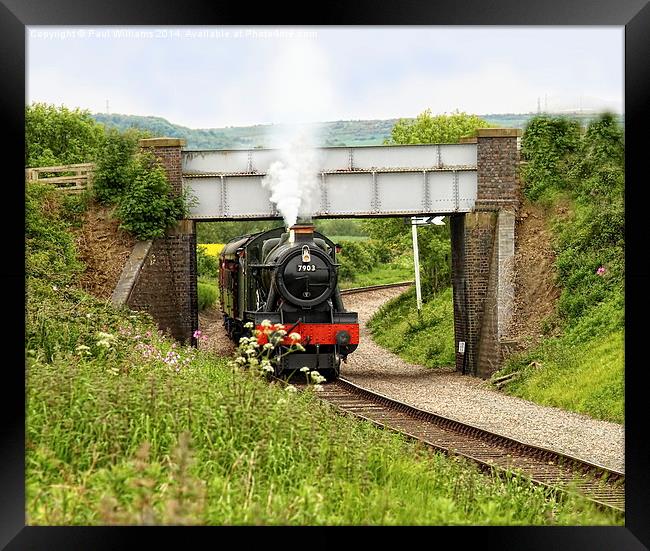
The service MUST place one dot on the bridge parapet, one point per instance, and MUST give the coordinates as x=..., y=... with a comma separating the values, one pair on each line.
x=399, y=180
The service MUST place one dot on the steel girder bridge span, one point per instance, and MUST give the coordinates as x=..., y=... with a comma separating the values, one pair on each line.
x=397, y=180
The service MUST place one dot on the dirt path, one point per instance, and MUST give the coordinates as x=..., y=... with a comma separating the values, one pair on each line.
x=211, y=326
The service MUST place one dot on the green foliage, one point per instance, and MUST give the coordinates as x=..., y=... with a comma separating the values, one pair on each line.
x=60, y=136
x=548, y=145
x=436, y=129
x=222, y=232
x=341, y=226
x=114, y=167
x=358, y=257
x=426, y=338
x=74, y=206
x=50, y=254
x=207, y=265
x=581, y=371
x=148, y=206
x=434, y=245
x=582, y=368
x=208, y=294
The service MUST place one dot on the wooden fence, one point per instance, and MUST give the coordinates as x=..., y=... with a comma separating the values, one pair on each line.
x=79, y=179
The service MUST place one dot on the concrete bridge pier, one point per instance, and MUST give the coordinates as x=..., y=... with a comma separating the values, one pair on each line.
x=483, y=255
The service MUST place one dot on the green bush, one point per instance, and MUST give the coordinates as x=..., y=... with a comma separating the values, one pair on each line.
x=147, y=206
x=547, y=145
x=208, y=294
x=207, y=265
x=114, y=167
x=50, y=252
x=356, y=257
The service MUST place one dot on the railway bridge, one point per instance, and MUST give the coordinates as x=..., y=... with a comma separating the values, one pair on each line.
x=474, y=183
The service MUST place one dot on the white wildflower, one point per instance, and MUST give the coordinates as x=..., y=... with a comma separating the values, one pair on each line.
x=294, y=336
x=291, y=388
x=318, y=388
x=316, y=377
x=248, y=325
x=82, y=349
x=268, y=346
x=265, y=323
x=304, y=369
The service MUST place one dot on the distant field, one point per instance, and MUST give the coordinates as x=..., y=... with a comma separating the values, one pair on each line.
x=380, y=275
x=338, y=238
x=213, y=249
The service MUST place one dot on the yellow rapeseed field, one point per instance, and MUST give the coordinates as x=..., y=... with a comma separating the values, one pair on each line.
x=213, y=249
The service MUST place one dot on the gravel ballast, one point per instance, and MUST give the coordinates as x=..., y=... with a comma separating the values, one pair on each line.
x=471, y=400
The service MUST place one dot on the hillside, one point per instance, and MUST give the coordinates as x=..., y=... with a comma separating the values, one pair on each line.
x=336, y=133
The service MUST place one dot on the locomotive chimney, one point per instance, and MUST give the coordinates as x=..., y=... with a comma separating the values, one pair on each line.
x=302, y=230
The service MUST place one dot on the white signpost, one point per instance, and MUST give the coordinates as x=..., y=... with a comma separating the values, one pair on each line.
x=415, y=222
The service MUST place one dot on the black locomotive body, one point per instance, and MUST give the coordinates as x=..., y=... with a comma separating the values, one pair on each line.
x=289, y=277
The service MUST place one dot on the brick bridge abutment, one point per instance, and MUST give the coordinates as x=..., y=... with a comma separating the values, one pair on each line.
x=483, y=255
x=161, y=278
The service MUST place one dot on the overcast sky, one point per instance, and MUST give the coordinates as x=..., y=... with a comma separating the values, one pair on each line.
x=206, y=77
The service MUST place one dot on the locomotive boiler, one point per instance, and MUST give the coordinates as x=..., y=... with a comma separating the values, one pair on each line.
x=289, y=277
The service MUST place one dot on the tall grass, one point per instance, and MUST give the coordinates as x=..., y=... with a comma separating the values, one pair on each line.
x=208, y=445
x=426, y=338
x=208, y=294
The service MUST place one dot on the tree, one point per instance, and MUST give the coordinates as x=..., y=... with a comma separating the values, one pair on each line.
x=548, y=145
x=426, y=128
x=434, y=241
x=60, y=136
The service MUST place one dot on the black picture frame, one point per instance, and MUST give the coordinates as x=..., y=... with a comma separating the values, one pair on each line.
x=15, y=15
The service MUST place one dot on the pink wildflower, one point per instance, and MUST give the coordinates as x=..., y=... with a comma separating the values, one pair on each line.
x=600, y=271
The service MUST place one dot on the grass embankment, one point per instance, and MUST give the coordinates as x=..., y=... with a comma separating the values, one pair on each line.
x=126, y=427
x=579, y=365
x=425, y=339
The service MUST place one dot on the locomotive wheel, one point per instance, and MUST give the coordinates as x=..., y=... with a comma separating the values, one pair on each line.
x=335, y=372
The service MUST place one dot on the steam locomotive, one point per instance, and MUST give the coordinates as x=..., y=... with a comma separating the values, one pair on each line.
x=289, y=277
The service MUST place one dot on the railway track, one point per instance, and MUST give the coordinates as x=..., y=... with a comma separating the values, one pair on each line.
x=354, y=290
x=492, y=452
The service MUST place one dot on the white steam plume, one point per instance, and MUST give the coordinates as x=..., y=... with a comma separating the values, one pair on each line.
x=293, y=180
x=300, y=91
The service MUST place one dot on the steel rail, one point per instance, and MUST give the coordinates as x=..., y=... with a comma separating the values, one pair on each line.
x=492, y=452
x=354, y=290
